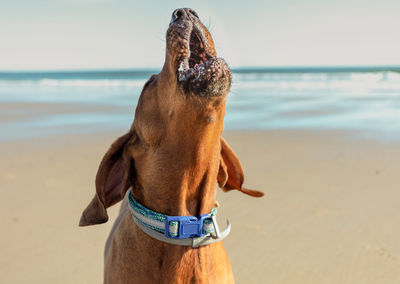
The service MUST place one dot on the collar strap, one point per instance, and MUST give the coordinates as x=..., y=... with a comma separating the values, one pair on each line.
x=178, y=230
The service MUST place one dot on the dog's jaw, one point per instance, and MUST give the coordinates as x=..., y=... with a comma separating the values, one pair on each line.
x=192, y=56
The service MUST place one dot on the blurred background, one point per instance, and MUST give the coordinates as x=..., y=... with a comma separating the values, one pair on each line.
x=313, y=114
x=297, y=64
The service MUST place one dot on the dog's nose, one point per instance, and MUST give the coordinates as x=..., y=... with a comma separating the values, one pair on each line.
x=177, y=14
x=182, y=13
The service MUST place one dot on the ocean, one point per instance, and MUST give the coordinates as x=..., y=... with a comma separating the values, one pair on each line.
x=361, y=99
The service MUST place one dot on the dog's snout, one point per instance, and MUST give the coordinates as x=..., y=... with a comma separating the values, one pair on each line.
x=179, y=14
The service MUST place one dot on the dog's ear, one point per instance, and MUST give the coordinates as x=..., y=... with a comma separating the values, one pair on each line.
x=230, y=175
x=113, y=179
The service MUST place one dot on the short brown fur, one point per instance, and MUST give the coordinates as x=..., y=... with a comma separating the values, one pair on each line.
x=172, y=157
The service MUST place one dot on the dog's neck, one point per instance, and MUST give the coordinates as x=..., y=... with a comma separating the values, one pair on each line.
x=187, y=183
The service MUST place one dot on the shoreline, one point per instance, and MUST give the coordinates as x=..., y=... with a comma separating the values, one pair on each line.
x=21, y=121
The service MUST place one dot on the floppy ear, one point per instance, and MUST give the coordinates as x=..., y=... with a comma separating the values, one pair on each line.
x=113, y=179
x=230, y=175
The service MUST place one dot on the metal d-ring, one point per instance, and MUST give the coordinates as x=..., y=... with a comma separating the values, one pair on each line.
x=216, y=228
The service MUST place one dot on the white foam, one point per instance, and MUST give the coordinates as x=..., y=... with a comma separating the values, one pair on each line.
x=354, y=83
x=92, y=83
x=367, y=77
x=393, y=76
x=75, y=83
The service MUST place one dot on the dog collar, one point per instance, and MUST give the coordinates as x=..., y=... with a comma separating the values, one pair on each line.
x=177, y=230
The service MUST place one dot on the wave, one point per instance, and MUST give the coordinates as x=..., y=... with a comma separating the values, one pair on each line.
x=75, y=83
x=92, y=83
x=319, y=81
x=265, y=100
x=355, y=76
x=382, y=80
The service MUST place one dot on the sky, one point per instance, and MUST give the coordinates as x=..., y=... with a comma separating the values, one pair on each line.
x=125, y=34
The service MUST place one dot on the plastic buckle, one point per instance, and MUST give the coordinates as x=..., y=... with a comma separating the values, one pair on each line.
x=188, y=226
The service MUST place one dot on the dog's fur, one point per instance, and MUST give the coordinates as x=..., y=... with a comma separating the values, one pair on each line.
x=172, y=157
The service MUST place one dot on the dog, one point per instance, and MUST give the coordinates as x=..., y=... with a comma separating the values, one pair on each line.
x=171, y=161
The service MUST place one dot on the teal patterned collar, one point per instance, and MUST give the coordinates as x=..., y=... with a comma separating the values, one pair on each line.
x=180, y=230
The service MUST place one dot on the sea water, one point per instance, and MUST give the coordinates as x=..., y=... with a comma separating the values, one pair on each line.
x=363, y=99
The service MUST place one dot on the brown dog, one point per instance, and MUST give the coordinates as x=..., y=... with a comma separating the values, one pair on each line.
x=172, y=157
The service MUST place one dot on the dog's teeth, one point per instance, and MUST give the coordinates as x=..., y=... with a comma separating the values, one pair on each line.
x=185, y=63
x=181, y=68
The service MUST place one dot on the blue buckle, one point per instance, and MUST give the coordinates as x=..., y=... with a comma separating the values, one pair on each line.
x=188, y=226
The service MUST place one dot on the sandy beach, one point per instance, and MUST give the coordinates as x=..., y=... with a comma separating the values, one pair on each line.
x=313, y=113
x=330, y=213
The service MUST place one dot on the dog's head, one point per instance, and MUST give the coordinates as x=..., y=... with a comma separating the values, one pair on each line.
x=192, y=58
x=175, y=139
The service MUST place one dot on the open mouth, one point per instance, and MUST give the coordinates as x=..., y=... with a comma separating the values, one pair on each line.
x=198, y=60
x=197, y=50
x=199, y=71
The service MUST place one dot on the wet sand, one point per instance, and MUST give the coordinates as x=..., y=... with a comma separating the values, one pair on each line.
x=330, y=213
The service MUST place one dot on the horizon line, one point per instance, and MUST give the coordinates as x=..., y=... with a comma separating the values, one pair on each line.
x=236, y=69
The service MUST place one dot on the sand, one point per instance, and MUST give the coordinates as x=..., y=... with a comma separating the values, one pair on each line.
x=330, y=214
